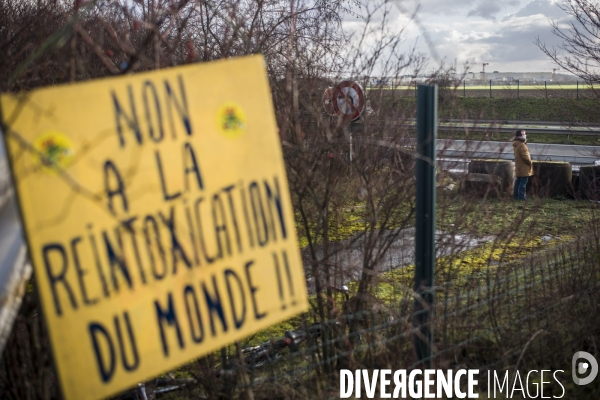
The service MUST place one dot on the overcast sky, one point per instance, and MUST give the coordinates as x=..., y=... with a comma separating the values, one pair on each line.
x=499, y=32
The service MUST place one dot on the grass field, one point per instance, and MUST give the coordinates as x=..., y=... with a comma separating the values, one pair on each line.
x=513, y=109
x=522, y=109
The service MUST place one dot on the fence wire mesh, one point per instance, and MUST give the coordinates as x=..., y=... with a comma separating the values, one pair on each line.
x=508, y=316
x=502, y=317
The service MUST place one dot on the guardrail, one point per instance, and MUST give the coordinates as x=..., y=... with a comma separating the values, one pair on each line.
x=499, y=126
x=500, y=129
x=15, y=269
x=462, y=154
x=519, y=122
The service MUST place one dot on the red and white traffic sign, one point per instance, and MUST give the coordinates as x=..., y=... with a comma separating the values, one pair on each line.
x=349, y=100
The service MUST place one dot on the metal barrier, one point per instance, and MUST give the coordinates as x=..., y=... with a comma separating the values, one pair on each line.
x=15, y=269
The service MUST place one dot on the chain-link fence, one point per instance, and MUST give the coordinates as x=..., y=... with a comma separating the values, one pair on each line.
x=512, y=90
x=517, y=89
x=524, y=314
x=533, y=313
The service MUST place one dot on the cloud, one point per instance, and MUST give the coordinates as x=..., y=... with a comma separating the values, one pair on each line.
x=518, y=44
x=505, y=44
x=488, y=8
x=546, y=8
x=438, y=7
x=485, y=10
x=499, y=32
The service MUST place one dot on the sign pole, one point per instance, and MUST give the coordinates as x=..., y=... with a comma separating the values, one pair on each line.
x=350, y=129
x=348, y=134
x=425, y=220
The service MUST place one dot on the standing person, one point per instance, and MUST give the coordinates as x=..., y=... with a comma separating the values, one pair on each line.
x=523, y=164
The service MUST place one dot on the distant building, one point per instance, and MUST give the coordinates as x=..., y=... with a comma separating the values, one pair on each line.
x=522, y=77
x=473, y=78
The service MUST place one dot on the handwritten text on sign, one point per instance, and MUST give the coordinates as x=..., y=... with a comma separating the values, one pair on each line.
x=158, y=218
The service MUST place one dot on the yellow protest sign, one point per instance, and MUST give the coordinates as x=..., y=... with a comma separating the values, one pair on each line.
x=158, y=218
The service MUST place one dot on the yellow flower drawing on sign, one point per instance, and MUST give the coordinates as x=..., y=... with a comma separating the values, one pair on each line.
x=231, y=120
x=54, y=149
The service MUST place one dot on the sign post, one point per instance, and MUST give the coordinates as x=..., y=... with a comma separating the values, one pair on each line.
x=158, y=218
x=425, y=220
x=348, y=100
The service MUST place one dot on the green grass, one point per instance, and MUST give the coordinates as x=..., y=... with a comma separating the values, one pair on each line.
x=537, y=217
x=523, y=109
x=490, y=218
x=344, y=224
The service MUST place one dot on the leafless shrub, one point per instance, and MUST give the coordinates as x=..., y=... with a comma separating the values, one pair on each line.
x=352, y=184
x=578, y=53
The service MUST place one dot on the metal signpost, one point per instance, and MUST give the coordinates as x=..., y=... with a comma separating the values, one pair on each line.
x=158, y=218
x=425, y=219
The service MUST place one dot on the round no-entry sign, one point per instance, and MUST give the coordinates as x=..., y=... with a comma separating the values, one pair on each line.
x=349, y=100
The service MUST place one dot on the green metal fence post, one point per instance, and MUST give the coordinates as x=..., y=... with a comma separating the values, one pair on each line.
x=427, y=99
x=464, y=89
x=517, y=88
x=490, y=88
x=577, y=90
x=546, y=89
